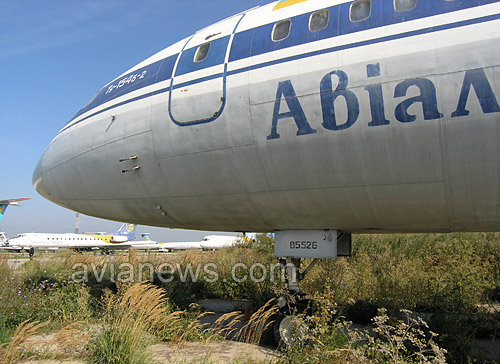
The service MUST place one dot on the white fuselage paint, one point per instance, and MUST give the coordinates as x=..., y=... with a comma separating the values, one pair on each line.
x=56, y=241
x=69, y=241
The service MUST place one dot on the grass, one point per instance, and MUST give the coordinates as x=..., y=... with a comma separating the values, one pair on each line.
x=129, y=323
x=19, y=348
x=441, y=274
x=428, y=272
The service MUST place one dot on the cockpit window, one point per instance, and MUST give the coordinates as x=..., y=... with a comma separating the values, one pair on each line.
x=360, y=10
x=319, y=20
x=281, y=30
x=202, y=52
x=404, y=5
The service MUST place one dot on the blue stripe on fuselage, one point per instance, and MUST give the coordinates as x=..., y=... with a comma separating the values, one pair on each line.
x=145, y=76
x=367, y=42
x=258, y=41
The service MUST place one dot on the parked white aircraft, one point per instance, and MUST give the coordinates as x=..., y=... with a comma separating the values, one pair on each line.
x=75, y=241
x=213, y=242
x=210, y=242
x=3, y=240
x=182, y=245
x=148, y=244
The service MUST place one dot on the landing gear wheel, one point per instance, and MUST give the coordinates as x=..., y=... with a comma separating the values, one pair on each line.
x=290, y=330
x=289, y=326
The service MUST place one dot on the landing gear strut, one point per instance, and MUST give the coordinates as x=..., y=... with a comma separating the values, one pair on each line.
x=289, y=326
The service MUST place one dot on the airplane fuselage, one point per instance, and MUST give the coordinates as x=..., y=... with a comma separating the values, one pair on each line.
x=56, y=241
x=386, y=120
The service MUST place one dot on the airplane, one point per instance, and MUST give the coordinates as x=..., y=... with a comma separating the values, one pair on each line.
x=310, y=119
x=145, y=244
x=12, y=202
x=209, y=242
x=360, y=116
x=214, y=242
x=148, y=244
x=74, y=241
x=3, y=240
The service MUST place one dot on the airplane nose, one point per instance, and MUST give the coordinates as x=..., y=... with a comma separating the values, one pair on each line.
x=37, y=179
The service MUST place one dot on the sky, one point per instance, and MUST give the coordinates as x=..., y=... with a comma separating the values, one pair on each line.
x=54, y=56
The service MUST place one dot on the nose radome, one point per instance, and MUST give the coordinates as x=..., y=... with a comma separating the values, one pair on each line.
x=37, y=178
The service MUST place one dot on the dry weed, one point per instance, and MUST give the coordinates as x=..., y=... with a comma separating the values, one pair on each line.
x=252, y=332
x=19, y=347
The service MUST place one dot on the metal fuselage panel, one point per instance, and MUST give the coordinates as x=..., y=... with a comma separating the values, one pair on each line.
x=388, y=125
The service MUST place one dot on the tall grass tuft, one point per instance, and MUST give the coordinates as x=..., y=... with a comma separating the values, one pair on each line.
x=135, y=318
x=19, y=348
x=69, y=341
x=252, y=332
x=130, y=322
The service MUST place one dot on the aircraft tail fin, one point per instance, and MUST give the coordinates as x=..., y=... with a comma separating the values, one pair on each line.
x=3, y=207
x=127, y=230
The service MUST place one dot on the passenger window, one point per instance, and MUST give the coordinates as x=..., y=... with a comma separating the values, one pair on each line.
x=404, y=5
x=319, y=20
x=201, y=52
x=281, y=30
x=360, y=10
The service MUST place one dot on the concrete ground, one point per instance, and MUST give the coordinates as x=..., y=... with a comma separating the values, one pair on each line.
x=216, y=352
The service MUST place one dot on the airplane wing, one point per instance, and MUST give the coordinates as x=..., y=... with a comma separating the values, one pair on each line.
x=13, y=201
x=11, y=248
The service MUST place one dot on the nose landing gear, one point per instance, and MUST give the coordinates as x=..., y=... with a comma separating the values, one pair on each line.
x=290, y=325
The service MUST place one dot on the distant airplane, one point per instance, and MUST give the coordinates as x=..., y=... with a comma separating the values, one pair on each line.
x=181, y=245
x=12, y=202
x=3, y=240
x=145, y=244
x=210, y=242
x=214, y=242
x=148, y=244
x=43, y=241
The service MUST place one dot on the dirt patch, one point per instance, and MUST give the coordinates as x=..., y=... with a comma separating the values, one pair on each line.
x=218, y=352
x=69, y=361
